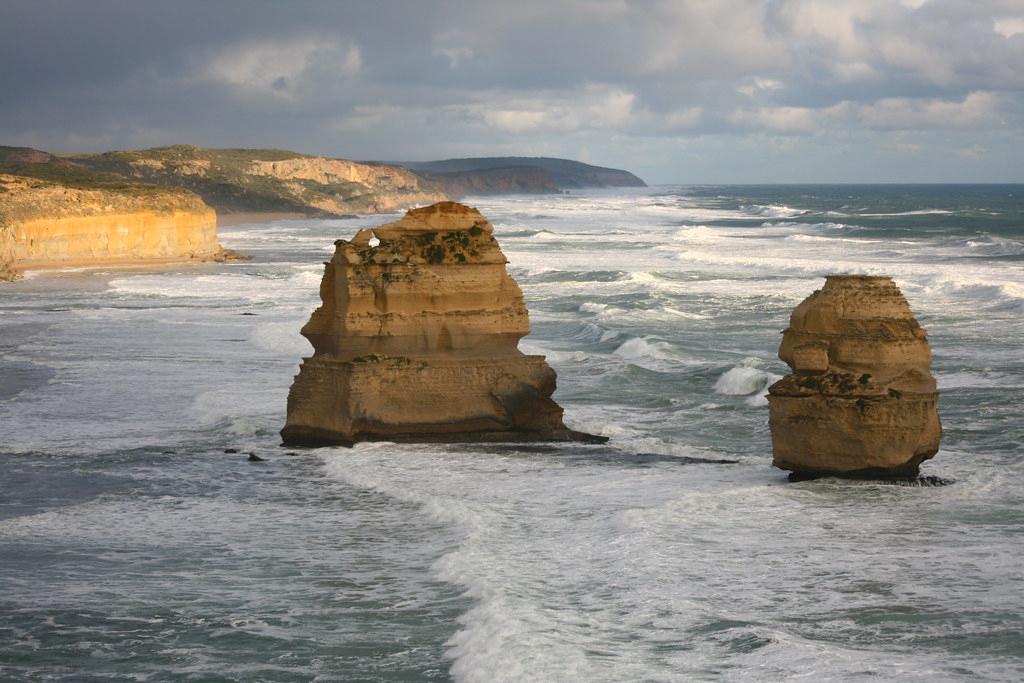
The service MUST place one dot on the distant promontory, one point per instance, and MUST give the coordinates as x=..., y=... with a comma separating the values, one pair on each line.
x=519, y=175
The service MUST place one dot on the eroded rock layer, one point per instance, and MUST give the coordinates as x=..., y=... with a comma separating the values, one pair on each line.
x=861, y=400
x=417, y=340
x=52, y=223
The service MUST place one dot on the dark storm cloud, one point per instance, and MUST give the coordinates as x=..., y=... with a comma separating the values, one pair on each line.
x=726, y=90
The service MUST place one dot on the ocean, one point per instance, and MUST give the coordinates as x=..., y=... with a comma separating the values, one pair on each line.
x=135, y=547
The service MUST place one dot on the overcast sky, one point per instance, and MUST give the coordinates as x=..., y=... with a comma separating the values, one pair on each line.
x=676, y=91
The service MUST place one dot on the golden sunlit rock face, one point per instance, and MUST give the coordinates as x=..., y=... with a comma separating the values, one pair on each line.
x=46, y=224
x=391, y=187
x=417, y=340
x=861, y=400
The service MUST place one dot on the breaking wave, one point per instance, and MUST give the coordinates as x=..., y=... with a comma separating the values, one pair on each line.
x=747, y=379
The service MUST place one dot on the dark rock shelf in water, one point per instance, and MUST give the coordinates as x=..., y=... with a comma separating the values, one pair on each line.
x=926, y=480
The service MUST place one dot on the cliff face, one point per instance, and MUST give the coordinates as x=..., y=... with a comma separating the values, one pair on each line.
x=417, y=340
x=7, y=270
x=861, y=400
x=68, y=216
x=272, y=180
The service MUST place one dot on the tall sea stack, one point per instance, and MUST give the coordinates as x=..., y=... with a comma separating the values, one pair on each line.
x=417, y=340
x=861, y=401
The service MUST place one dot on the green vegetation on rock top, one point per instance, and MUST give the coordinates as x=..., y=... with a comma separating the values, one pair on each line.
x=79, y=178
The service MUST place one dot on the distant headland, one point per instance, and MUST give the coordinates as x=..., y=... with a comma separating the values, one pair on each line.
x=514, y=175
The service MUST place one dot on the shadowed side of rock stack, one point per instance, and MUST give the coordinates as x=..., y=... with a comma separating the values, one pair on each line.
x=417, y=340
x=861, y=401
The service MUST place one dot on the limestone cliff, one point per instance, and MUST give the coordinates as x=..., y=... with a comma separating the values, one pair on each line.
x=272, y=180
x=417, y=340
x=861, y=400
x=53, y=213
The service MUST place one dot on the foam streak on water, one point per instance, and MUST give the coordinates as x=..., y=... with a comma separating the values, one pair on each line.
x=132, y=547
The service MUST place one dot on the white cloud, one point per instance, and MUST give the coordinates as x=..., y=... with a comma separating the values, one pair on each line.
x=1009, y=26
x=684, y=118
x=365, y=117
x=948, y=44
x=777, y=119
x=592, y=107
x=839, y=25
x=281, y=67
x=756, y=85
x=455, y=55
x=521, y=120
x=977, y=110
x=610, y=108
x=848, y=72
x=704, y=39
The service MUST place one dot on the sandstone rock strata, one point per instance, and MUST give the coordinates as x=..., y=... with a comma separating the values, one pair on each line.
x=417, y=340
x=861, y=400
x=7, y=270
x=50, y=224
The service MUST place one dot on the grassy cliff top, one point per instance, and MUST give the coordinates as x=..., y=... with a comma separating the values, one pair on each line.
x=76, y=177
x=238, y=158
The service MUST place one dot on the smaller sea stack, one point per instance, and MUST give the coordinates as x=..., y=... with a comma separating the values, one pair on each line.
x=417, y=340
x=861, y=401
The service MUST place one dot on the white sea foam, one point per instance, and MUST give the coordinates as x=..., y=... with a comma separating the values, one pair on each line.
x=699, y=234
x=895, y=214
x=300, y=285
x=799, y=237
x=777, y=210
x=282, y=337
x=639, y=349
x=221, y=286
x=747, y=379
x=993, y=245
x=685, y=314
x=228, y=405
x=916, y=212
x=555, y=357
